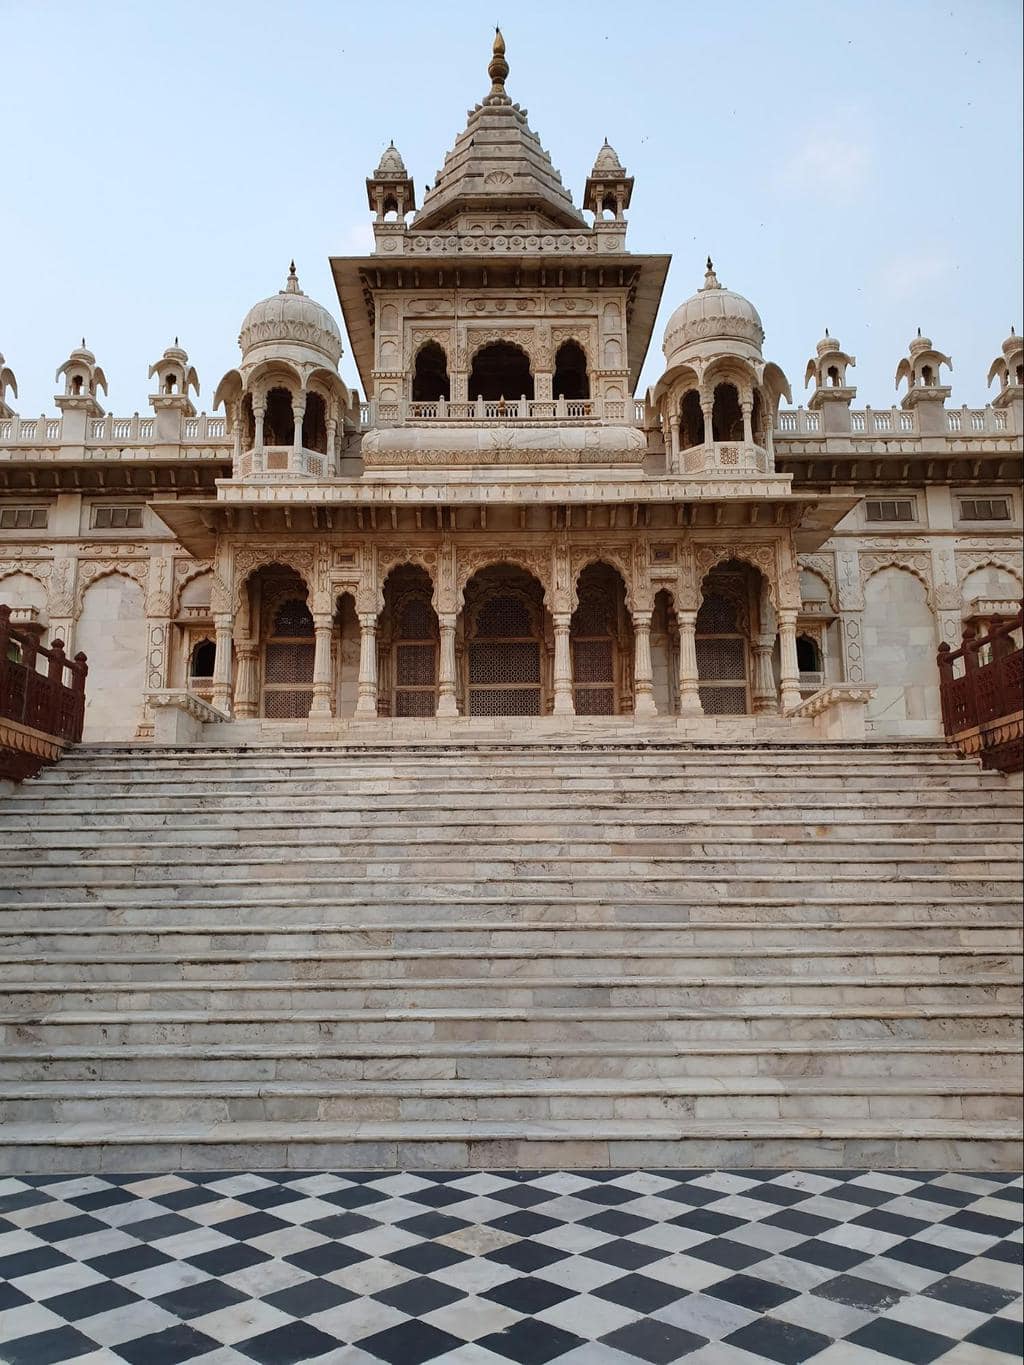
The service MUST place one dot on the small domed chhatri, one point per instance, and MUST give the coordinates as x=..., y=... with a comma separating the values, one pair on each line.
x=291, y=319
x=390, y=164
x=713, y=321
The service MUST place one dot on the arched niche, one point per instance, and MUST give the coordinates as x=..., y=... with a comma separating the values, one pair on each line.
x=430, y=380
x=408, y=643
x=505, y=671
x=601, y=643
x=900, y=641
x=501, y=369
x=111, y=631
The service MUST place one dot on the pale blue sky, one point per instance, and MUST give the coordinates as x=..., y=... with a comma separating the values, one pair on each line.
x=850, y=164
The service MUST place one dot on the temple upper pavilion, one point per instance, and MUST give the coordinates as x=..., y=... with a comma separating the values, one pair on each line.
x=499, y=525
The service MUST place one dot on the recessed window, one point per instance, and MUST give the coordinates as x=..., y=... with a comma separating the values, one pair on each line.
x=890, y=509
x=116, y=518
x=984, y=509
x=22, y=518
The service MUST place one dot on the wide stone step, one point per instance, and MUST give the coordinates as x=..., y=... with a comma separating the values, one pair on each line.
x=709, y=1099
x=199, y=827
x=468, y=1060
x=508, y=966
x=31, y=998
x=215, y=1025
x=470, y=848
x=510, y=889
x=180, y=941
x=243, y=911
x=947, y=1144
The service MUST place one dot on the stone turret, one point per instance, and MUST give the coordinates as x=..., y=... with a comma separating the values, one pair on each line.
x=832, y=395
x=608, y=191
x=171, y=402
x=7, y=381
x=921, y=369
x=1008, y=368
x=390, y=190
x=79, y=402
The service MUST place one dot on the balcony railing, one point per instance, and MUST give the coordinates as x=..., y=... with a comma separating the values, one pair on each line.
x=981, y=685
x=379, y=414
x=132, y=430
x=42, y=700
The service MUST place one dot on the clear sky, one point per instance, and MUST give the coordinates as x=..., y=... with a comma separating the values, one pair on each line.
x=853, y=164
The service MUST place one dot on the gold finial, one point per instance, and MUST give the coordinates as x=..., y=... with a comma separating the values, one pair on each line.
x=498, y=67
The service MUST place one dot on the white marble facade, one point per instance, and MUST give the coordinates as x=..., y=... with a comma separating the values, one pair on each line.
x=501, y=526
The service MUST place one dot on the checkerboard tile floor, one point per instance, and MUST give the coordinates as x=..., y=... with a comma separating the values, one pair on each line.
x=483, y=1268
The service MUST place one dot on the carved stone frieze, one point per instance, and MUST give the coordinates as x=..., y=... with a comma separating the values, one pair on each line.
x=1011, y=561
x=91, y=570
x=471, y=559
x=824, y=565
x=761, y=556
x=158, y=586
x=916, y=562
x=250, y=558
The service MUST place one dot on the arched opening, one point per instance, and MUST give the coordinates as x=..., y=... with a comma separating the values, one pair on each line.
x=1019, y=371
x=927, y=375
x=430, y=380
x=314, y=423
x=665, y=653
x=500, y=370
x=726, y=416
x=278, y=420
x=600, y=637
x=571, y=379
x=76, y=384
x=248, y=423
x=808, y=655
x=408, y=645
x=171, y=384
x=277, y=597
x=504, y=667
x=609, y=208
x=201, y=660
x=833, y=377
x=691, y=421
x=390, y=209
x=733, y=600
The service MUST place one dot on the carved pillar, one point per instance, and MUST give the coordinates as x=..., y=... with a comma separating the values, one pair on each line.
x=563, y=700
x=366, y=703
x=689, y=681
x=322, y=683
x=673, y=423
x=222, y=664
x=789, y=668
x=298, y=413
x=763, y=695
x=709, y=432
x=643, y=672
x=258, y=411
x=748, y=431
x=332, y=444
x=245, y=681
x=447, y=704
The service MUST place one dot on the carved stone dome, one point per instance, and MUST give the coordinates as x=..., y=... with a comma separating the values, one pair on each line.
x=292, y=320
x=607, y=162
x=715, y=321
x=391, y=164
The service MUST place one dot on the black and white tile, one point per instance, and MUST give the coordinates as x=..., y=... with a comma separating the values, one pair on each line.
x=484, y=1268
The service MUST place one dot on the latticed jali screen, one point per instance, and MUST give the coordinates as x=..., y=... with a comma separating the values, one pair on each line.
x=721, y=659
x=415, y=679
x=288, y=662
x=504, y=667
x=593, y=664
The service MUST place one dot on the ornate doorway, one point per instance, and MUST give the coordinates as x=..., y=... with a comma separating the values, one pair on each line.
x=504, y=670
x=288, y=661
x=409, y=645
x=722, y=664
x=597, y=633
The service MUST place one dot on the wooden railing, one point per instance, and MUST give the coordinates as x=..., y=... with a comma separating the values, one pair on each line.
x=982, y=689
x=42, y=700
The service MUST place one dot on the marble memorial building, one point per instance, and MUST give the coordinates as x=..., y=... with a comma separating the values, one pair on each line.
x=499, y=530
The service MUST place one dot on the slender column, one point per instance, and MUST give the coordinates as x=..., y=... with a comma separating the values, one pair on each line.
x=222, y=665
x=748, y=431
x=764, y=695
x=563, y=700
x=366, y=703
x=790, y=669
x=323, y=630
x=673, y=423
x=245, y=682
x=643, y=672
x=689, y=681
x=446, y=702
x=258, y=410
x=709, y=431
x=298, y=413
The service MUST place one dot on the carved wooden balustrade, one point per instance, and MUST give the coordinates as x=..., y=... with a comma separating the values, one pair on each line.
x=982, y=690
x=42, y=700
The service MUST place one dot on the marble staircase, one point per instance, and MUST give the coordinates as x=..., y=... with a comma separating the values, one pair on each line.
x=498, y=954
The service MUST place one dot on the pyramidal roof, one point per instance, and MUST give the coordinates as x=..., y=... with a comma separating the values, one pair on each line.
x=498, y=162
